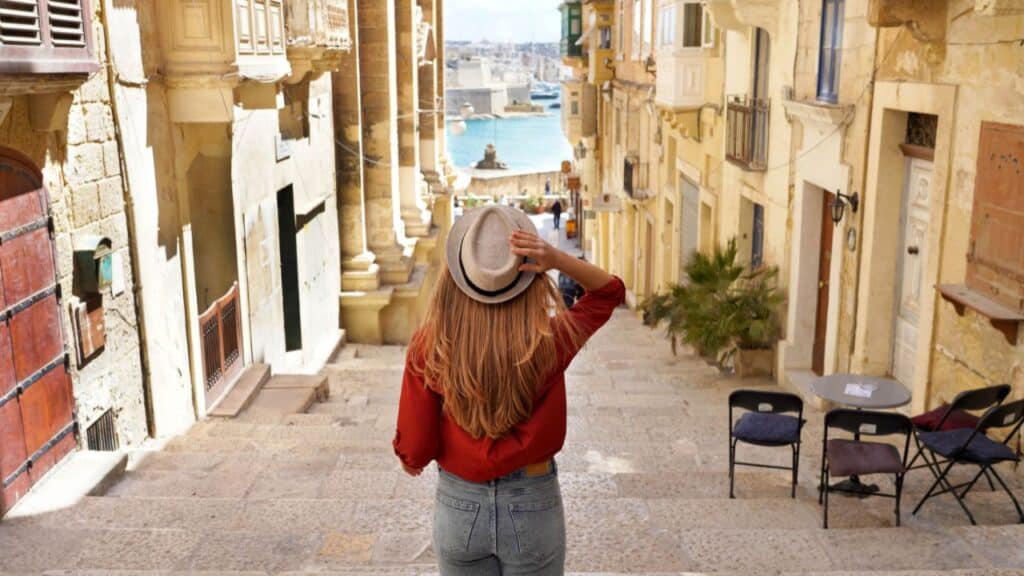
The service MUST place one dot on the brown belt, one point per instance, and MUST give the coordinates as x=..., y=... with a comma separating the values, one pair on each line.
x=538, y=469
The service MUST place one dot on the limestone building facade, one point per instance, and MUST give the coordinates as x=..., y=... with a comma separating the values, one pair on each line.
x=197, y=192
x=853, y=145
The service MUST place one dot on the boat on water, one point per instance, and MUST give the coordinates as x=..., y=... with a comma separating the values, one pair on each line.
x=543, y=94
x=555, y=106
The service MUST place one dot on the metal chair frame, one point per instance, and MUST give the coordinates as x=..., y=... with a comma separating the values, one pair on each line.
x=771, y=403
x=868, y=423
x=996, y=417
x=968, y=400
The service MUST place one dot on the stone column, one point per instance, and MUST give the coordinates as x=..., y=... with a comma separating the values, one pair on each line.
x=414, y=213
x=428, y=100
x=359, y=269
x=441, y=141
x=378, y=89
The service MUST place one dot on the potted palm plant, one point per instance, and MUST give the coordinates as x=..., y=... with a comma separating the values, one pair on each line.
x=692, y=310
x=753, y=310
x=726, y=313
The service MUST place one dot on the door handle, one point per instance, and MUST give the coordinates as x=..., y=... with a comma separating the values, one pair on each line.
x=822, y=284
x=913, y=250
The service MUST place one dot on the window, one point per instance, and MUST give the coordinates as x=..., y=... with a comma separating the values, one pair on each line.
x=693, y=21
x=46, y=37
x=995, y=261
x=709, y=30
x=638, y=19
x=575, y=104
x=761, y=49
x=830, y=49
x=620, y=27
x=667, y=26
x=757, y=238
x=648, y=24
x=606, y=38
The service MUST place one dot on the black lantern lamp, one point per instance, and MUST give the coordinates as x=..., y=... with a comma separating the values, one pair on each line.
x=580, y=150
x=839, y=205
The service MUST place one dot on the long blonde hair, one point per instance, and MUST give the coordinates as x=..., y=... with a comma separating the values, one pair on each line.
x=487, y=360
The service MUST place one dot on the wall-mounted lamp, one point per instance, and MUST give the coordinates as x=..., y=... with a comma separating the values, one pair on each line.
x=651, y=65
x=580, y=150
x=839, y=205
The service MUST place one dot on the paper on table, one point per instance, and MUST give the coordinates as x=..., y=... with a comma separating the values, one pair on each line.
x=859, y=390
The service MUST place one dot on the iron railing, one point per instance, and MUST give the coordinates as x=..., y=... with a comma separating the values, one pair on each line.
x=747, y=132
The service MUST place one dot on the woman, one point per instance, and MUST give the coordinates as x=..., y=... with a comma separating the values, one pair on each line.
x=484, y=393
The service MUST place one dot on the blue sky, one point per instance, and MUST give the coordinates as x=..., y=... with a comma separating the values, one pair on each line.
x=502, y=20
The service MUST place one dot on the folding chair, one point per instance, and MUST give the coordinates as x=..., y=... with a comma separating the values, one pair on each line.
x=766, y=423
x=842, y=457
x=973, y=446
x=956, y=415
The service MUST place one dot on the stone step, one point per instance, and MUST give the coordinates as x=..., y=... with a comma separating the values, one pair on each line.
x=286, y=394
x=242, y=392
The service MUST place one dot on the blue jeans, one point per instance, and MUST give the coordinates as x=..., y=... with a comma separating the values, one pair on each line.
x=512, y=525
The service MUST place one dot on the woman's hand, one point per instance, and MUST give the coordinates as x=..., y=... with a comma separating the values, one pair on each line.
x=543, y=256
x=411, y=471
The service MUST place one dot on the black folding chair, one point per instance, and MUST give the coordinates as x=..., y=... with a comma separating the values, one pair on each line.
x=973, y=446
x=953, y=416
x=765, y=423
x=843, y=457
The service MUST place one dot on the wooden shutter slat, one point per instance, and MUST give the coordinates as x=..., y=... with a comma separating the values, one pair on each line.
x=66, y=25
x=19, y=22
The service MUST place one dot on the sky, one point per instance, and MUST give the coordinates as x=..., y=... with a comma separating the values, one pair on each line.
x=502, y=20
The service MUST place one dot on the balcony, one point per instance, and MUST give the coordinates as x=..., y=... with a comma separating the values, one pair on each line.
x=746, y=140
x=211, y=47
x=680, y=82
x=572, y=29
x=318, y=34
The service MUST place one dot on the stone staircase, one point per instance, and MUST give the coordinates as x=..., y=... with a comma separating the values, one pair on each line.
x=644, y=477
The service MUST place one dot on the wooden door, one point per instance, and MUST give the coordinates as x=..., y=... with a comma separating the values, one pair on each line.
x=911, y=259
x=824, y=269
x=36, y=420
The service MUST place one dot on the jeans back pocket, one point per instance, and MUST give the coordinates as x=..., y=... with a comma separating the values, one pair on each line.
x=454, y=519
x=539, y=527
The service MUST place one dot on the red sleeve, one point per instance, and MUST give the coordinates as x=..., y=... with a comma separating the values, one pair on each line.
x=588, y=315
x=417, y=434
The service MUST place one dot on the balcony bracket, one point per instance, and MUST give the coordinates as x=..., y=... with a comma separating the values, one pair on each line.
x=49, y=112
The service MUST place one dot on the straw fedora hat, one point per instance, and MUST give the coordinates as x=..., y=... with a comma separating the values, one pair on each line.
x=480, y=259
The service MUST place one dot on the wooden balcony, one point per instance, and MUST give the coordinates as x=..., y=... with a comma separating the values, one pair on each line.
x=746, y=140
x=318, y=34
x=211, y=47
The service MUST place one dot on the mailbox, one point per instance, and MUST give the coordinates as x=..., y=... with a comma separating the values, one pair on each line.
x=93, y=263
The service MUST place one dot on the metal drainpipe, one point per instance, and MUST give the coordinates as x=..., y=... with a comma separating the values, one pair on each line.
x=129, y=206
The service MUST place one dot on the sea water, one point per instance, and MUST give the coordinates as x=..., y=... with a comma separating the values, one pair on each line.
x=524, y=143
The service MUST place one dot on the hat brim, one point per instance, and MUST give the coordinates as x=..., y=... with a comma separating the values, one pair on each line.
x=454, y=245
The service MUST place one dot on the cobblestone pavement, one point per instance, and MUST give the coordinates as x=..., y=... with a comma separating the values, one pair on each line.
x=644, y=476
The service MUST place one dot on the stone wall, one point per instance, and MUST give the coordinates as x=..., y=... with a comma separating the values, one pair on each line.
x=966, y=351
x=498, y=183
x=82, y=173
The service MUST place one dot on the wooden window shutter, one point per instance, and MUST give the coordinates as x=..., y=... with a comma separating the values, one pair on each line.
x=67, y=27
x=46, y=37
x=995, y=260
x=20, y=23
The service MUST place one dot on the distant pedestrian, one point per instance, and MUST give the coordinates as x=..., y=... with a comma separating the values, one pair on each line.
x=556, y=211
x=547, y=186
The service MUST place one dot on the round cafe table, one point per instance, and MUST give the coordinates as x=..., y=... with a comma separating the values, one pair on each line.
x=884, y=393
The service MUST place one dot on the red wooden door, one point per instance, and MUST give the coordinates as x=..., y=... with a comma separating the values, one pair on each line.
x=36, y=420
x=824, y=269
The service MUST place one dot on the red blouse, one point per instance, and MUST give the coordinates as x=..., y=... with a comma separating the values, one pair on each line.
x=426, y=433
